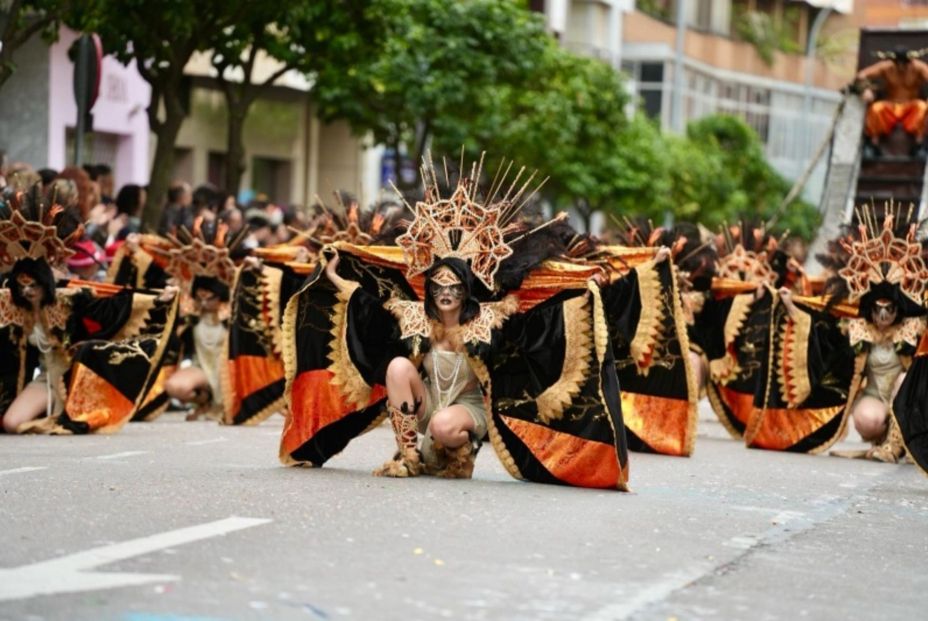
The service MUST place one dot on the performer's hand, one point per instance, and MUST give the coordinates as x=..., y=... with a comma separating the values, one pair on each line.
x=600, y=279
x=868, y=96
x=662, y=254
x=168, y=293
x=132, y=241
x=330, y=268
x=302, y=255
x=786, y=296
x=252, y=263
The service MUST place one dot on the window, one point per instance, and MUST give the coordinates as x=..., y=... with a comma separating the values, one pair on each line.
x=272, y=177
x=216, y=169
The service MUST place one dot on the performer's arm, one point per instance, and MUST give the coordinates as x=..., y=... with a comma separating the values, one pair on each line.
x=922, y=68
x=342, y=284
x=866, y=76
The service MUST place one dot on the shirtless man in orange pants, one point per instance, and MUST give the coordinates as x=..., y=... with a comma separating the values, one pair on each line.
x=902, y=78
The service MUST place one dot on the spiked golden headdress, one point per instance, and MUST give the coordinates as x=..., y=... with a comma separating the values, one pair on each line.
x=354, y=225
x=884, y=258
x=747, y=257
x=462, y=225
x=31, y=229
x=197, y=253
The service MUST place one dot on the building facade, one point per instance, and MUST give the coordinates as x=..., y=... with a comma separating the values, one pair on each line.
x=740, y=57
x=290, y=156
x=38, y=113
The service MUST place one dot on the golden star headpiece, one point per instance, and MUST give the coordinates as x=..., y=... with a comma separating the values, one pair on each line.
x=462, y=226
x=884, y=257
x=744, y=251
x=30, y=230
x=192, y=254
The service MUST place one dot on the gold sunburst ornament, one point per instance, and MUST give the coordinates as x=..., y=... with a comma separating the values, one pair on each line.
x=193, y=254
x=884, y=258
x=745, y=265
x=463, y=226
x=24, y=238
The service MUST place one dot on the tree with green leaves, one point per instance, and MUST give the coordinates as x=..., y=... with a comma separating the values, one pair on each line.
x=20, y=20
x=432, y=64
x=571, y=124
x=735, y=179
x=295, y=35
x=161, y=36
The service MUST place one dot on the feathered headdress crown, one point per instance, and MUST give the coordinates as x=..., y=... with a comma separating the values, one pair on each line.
x=204, y=251
x=462, y=225
x=32, y=229
x=351, y=223
x=744, y=252
x=880, y=255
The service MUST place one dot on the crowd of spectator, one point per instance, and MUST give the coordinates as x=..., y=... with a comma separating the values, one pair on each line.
x=112, y=216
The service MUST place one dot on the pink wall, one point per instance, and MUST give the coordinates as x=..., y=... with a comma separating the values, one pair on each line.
x=120, y=112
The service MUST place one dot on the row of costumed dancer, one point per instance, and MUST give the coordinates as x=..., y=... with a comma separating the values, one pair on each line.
x=465, y=322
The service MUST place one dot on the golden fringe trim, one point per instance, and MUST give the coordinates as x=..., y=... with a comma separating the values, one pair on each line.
x=683, y=338
x=154, y=368
x=651, y=318
x=271, y=278
x=505, y=457
x=142, y=304
x=750, y=432
x=225, y=376
x=142, y=261
x=345, y=375
x=578, y=339
x=724, y=369
x=793, y=371
x=715, y=400
x=277, y=405
x=113, y=269
x=860, y=363
x=601, y=342
x=288, y=354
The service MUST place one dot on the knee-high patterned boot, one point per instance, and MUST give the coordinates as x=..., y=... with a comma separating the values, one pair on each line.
x=407, y=461
x=892, y=448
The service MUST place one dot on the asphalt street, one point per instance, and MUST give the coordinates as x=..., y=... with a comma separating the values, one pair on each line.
x=191, y=521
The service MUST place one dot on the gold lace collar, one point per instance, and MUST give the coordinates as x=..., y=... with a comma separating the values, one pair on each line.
x=909, y=331
x=414, y=322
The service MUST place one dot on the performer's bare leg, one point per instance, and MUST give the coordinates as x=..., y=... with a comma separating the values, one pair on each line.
x=190, y=385
x=873, y=422
x=405, y=396
x=28, y=405
x=870, y=418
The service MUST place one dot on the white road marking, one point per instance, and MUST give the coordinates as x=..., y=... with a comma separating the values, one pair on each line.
x=69, y=574
x=202, y=442
x=23, y=469
x=123, y=454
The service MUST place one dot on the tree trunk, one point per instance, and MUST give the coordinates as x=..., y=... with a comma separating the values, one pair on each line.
x=5, y=73
x=235, y=146
x=163, y=165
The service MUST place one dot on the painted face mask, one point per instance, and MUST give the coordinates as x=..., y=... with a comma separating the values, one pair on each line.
x=25, y=280
x=884, y=313
x=445, y=282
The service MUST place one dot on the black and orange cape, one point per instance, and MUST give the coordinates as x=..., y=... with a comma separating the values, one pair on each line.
x=109, y=340
x=543, y=356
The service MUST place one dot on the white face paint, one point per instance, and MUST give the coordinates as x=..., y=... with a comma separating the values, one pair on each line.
x=883, y=315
